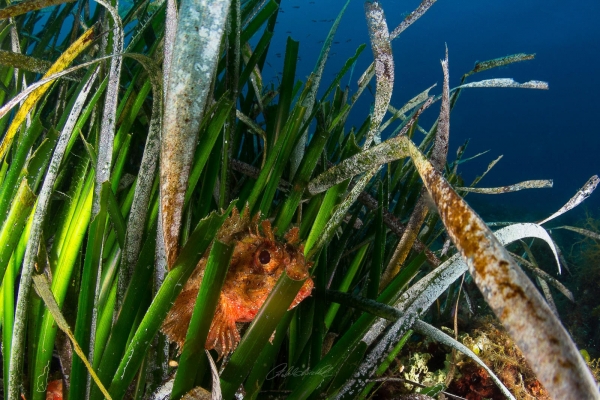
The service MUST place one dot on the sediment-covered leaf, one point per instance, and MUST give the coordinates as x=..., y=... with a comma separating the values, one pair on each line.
x=499, y=62
x=439, y=153
x=508, y=291
x=409, y=106
x=581, y=231
x=390, y=150
x=538, y=272
x=195, y=56
x=412, y=17
x=579, y=197
x=505, y=83
x=27, y=6
x=21, y=61
x=534, y=184
x=143, y=188
x=109, y=118
x=384, y=67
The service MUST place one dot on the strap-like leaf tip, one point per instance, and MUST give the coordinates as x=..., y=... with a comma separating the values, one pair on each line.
x=499, y=62
x=384, y=68
x=579, y=197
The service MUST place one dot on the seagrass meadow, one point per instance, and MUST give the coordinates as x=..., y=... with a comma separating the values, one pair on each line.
x=141, y=146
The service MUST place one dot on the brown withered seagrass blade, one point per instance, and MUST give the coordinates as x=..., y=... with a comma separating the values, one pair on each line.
x=512, y=296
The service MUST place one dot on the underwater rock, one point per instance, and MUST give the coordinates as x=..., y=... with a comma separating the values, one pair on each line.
x=497, y=350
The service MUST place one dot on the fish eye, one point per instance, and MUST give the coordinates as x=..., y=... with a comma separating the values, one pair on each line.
x=264, y=257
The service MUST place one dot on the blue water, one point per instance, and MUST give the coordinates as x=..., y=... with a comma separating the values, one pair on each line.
x=542, y=134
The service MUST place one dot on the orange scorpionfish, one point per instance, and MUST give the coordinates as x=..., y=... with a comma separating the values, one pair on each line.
x=256, y=264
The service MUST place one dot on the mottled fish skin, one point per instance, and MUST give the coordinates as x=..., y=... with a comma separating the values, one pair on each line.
x=257, y=263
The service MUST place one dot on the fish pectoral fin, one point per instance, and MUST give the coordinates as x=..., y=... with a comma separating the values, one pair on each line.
x=178, y=318
x=304, y=292
x=223, y=335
